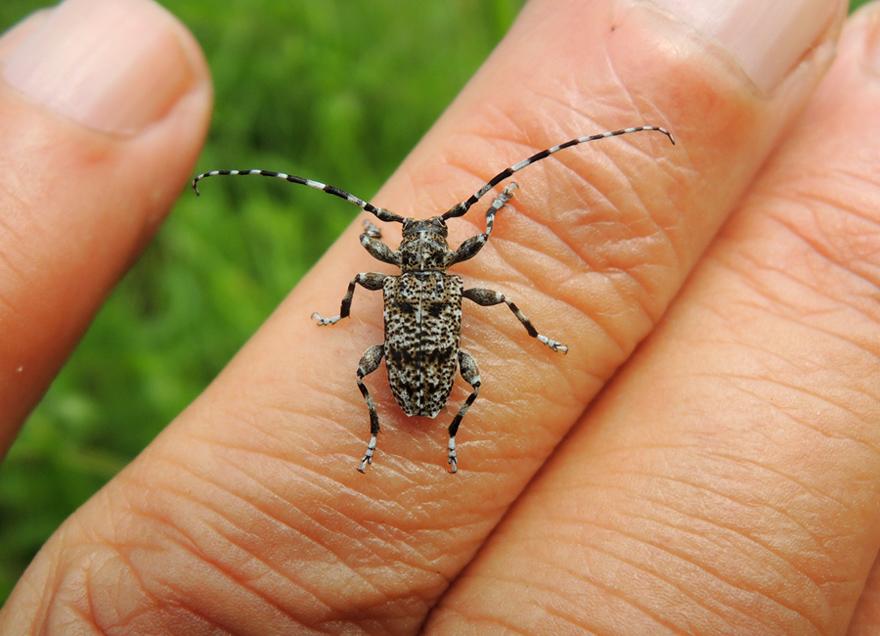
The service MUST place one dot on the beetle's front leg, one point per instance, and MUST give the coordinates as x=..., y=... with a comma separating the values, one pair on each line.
x=376, y=248
x=370, y=280
x=470, y=247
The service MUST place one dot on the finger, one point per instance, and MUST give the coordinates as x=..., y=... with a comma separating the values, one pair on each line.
x=250, y=499
x=726, y=482
x=103, y=107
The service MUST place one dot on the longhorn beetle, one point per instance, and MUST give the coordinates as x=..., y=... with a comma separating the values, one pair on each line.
x=423, y=303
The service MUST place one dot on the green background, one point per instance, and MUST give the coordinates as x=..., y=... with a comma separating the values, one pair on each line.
x=335, y=90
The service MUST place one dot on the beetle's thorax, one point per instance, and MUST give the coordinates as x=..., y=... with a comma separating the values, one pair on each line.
x=423, y=247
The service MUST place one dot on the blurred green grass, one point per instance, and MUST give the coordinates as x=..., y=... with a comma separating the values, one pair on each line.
x=336, y=90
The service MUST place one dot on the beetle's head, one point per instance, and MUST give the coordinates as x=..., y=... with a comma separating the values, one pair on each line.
x=423, y=246
x=434, y=225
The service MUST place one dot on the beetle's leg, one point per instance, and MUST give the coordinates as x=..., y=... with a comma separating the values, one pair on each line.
x=371, y=280
x=487, y=297
x=369, y=363
x=376, y=248
x=470, y=247
x=371, y=230
x=471, y=374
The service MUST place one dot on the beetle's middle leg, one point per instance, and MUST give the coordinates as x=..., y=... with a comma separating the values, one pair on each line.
x=487, y=297
x=471, y=374
x=370, y=362
x=370, y=280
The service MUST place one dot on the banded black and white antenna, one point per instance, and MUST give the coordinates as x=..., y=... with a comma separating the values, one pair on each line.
x=381, y=213
x=459, y=209
x=462, y=208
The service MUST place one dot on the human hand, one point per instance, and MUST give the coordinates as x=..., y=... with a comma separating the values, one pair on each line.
x=724, y=482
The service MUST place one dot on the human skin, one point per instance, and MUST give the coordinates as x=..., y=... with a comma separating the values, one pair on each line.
x=708, y=449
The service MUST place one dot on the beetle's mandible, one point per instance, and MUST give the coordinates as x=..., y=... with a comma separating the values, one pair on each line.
x=423, y=302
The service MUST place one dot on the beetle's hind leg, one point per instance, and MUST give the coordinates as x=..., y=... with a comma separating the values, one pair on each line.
x=370, y=362
x=471, y=374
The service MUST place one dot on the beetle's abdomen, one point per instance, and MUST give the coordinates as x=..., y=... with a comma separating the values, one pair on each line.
x=422, y=337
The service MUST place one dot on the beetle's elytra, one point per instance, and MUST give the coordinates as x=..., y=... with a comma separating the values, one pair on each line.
x=423, y=302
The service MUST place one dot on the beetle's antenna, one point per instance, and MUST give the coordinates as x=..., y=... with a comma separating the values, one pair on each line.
x=462, y=208
x=381, y=213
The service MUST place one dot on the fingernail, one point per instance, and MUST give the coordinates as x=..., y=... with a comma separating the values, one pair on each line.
x=112, y=65
x=768, y=38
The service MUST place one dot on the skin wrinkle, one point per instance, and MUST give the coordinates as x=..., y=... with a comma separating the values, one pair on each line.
x=834, y=178
x=263, y=485
x=539, y=585
x=763, y=289
x=11, y=235
x=430, y=559
x=7, y=308
x=194, y=547
x=820, y=247
x=509, y=626
x=700, y=489
x=595, y=266
x=604, y=320
x=191, y=611
x=8, y=266
x=520, y=251
x=273, y=451
x=624, y=344
x=562, y=619
x=147, y=611
x=824, y=244
x=351, y=402
x=795, y=368
x=615, y=592
x=680, y=511
x=796, y=420
x=803, y=367
x=631, y=272
x=810, y=491
x=600, y=548
x=191, y=546
x=605, y=269
x=818, y=208
x=398, y=557
x=706, y=488
x=681, y=555
x=92, y=615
